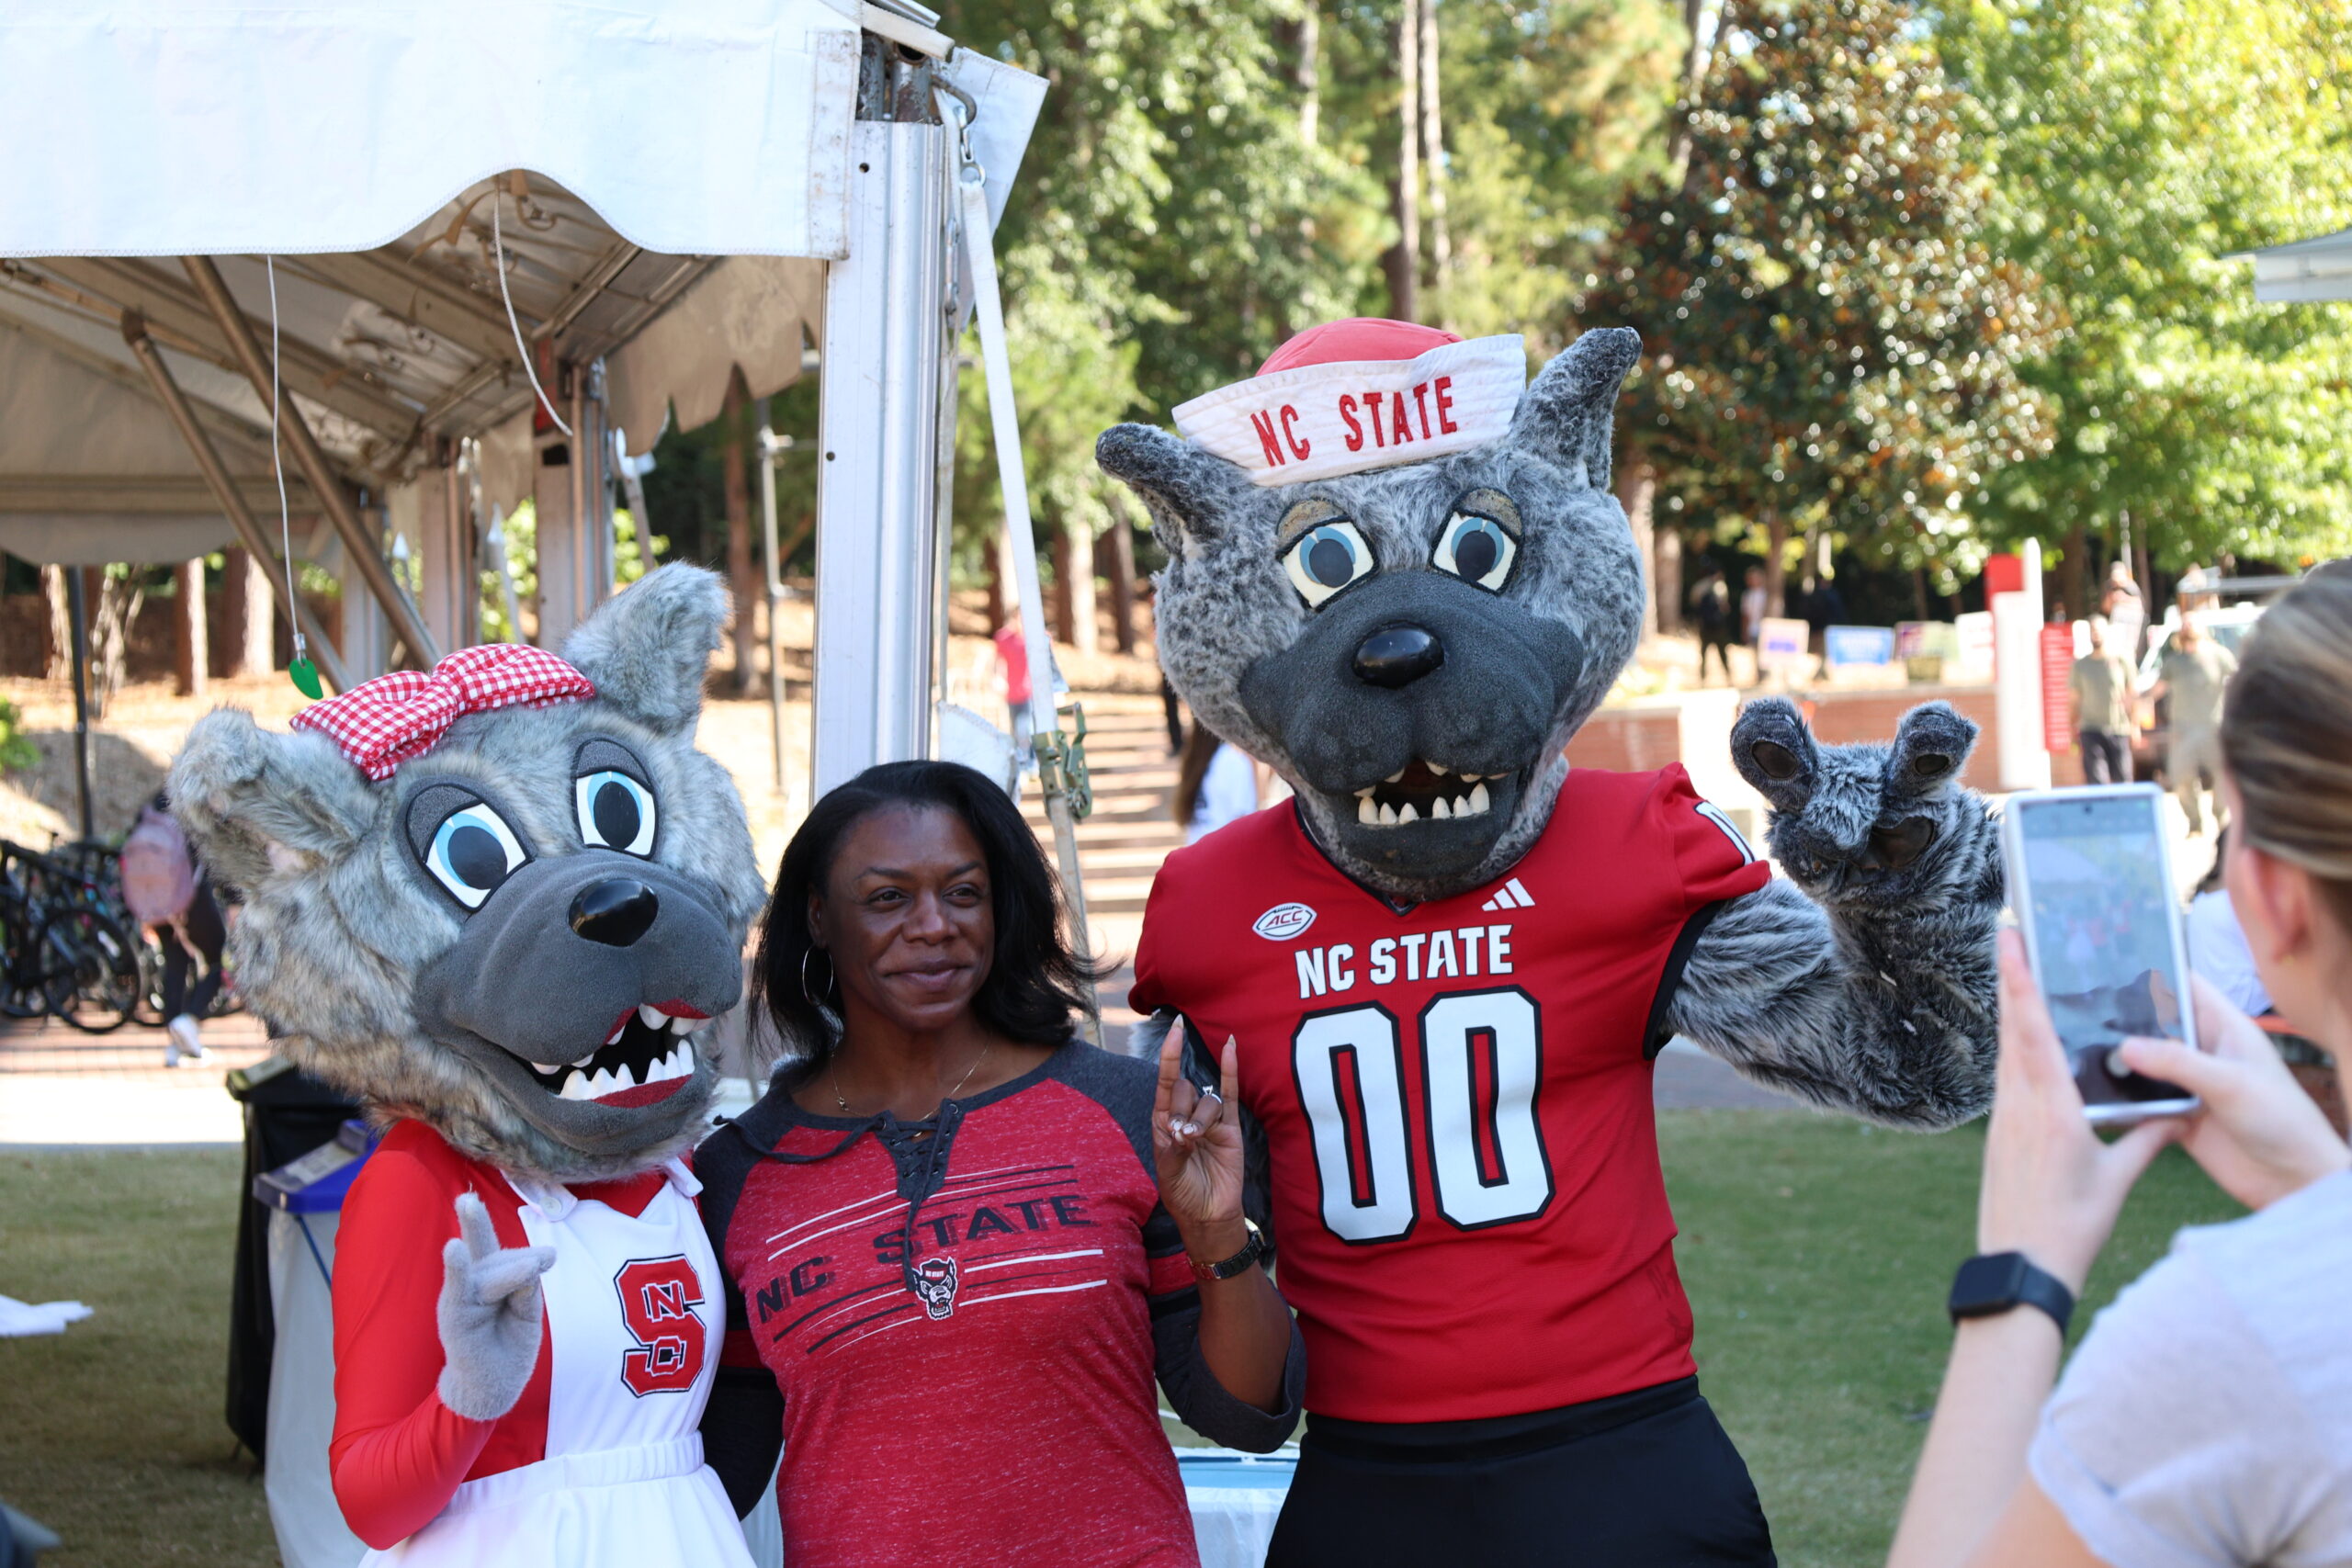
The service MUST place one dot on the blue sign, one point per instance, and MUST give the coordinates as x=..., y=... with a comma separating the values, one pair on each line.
x=1858, y=645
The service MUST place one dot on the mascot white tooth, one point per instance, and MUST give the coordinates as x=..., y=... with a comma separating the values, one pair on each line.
x=1396, y=574
x=494, y=903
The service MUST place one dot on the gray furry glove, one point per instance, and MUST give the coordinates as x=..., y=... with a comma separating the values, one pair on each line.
x=489, y=1315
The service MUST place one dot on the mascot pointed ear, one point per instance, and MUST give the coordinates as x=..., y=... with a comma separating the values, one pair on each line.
x=1186, y=488
x=1565, y=414
x=257, y=803
x=646, y=649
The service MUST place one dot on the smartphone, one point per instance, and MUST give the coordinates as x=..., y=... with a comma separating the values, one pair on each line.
x=2090, y=883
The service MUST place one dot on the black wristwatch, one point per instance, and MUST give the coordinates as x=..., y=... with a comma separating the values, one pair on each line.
x=1251, y=1250
x=1994, y=1283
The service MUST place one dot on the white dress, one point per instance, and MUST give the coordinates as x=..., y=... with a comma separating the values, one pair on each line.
x=623, y=1485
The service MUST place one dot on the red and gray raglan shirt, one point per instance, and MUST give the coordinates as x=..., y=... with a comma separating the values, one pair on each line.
x=1456, y=1096
x=964, y=1318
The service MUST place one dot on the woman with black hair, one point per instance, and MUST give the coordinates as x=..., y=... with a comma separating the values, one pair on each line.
x=961, y=1244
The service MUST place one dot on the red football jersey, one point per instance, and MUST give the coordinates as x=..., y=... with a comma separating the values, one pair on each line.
x=1456, y=1096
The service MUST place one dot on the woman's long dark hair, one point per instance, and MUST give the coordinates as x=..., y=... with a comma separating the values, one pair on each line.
x=1035, y=981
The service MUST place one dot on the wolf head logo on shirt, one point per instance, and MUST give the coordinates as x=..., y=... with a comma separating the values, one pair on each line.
x=934, y=1282
x=1409, y=644
x=502, y=898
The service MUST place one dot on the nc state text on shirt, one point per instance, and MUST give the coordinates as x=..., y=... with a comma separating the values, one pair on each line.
x=1423, y=955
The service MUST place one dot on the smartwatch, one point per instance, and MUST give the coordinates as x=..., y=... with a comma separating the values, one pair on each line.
x=1996, y=1283
x=1251, y=1250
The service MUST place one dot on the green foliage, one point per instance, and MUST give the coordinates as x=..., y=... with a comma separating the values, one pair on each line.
x=519, y=531
x=2136, y=142
x=632, y=560
x=1828, y=340
x=17, y=751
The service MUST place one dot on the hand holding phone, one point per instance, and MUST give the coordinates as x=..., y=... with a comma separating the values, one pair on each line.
x=2090, y=881
x=2259, y=1136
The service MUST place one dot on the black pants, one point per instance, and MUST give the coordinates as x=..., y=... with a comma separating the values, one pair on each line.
x=1719, y=643
x=202, y=930
x=1644, y=1480
x=2107, y=757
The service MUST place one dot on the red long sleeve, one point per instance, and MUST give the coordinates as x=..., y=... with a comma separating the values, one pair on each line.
x=398, y=1452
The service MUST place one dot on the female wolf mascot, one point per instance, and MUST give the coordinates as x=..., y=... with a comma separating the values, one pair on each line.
x=1396, y=574
x=496, y=902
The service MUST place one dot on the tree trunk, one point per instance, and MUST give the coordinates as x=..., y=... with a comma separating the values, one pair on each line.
x=191, y=661
x=2074, y=580
x=1919, y=593
x=1403, y=261
x=735, y=461
x=1302, y=40
x=1637, y=491
x=114, y=605
x=1694, y=72
x=245, y=613
x=1665, y=549
x=1776, y=564
x=1114, y=554
x=61, y=625
x=1062, y=605
x=1433, y=149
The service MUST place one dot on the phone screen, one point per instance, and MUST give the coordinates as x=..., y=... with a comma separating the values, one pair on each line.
x=2102, y=931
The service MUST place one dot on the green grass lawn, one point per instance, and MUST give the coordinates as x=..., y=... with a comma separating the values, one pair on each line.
x=1817, y=1252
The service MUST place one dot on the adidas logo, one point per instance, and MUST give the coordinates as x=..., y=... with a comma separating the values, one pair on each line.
x=1513, y=897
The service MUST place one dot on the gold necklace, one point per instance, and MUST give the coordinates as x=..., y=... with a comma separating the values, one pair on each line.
x=833, y=1077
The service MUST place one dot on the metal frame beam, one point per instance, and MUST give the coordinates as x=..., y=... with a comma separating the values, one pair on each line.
x=366, y=554
x=296, y=613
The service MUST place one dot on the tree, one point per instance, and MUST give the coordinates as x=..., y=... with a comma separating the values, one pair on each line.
x=1828, y=345
x=2136, y=143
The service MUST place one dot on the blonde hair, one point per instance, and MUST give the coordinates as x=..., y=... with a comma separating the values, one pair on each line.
x=2287, y=732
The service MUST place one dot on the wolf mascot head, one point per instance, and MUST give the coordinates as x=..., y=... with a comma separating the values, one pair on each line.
x=503, y=897
x=1409, y=644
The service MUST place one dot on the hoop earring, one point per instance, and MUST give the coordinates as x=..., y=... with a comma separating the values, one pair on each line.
x=806, y=954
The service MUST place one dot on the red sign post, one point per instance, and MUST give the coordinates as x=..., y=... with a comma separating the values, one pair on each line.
x=2057, y=694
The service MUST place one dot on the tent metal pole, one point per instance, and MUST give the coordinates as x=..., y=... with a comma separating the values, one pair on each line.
x=296, y=615
x=772, y=447
x=367, y=553
x=77, y=610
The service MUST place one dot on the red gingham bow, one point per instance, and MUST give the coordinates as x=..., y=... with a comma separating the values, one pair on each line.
x=381, y=723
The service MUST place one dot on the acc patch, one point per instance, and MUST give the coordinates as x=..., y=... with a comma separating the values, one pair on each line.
x=1283, y=922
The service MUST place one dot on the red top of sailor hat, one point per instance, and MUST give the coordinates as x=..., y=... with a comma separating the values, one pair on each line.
x=1358, y=337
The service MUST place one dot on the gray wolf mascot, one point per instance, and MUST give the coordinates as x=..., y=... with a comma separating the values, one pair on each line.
x=1397, y=573
x=496, y=903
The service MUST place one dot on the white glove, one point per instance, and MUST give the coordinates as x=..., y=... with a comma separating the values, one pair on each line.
x=489, y=1315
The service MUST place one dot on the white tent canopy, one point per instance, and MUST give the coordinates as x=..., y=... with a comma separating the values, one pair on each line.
x=2303, y=272
x=165, y=128
x=678, y=192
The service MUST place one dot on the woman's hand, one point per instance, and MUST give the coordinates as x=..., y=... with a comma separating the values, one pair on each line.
x=2051, y=1187
x=2259, y=1135
x=1196, y=1143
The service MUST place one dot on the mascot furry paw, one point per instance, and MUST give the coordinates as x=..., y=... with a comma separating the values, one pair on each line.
x=1397, y=575
x=496, y=903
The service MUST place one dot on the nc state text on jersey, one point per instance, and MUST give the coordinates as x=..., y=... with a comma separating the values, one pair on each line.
x=1420, y=956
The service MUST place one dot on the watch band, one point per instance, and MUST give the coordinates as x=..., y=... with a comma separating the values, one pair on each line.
x=1996, y=1283
x=1251, y=1250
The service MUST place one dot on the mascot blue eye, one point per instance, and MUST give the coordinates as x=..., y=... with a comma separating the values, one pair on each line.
x=1476, y=549
x=1326, y=559
x=473, y=851
x=616, y=812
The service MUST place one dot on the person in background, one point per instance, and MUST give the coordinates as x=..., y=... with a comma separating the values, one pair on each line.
x=166, y=889
x=1711, y=607
x=2217, y=945
x=2195, y=671
x=2126, y=616
x=1013, y=651
x=1216, y=783
x=961, y=1244
x=2205, y=1419
x=2101, y=682
x=1751, y=609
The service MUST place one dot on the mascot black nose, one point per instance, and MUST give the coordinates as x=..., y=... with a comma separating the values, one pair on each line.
x=616, y=911
x=1397, y=656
